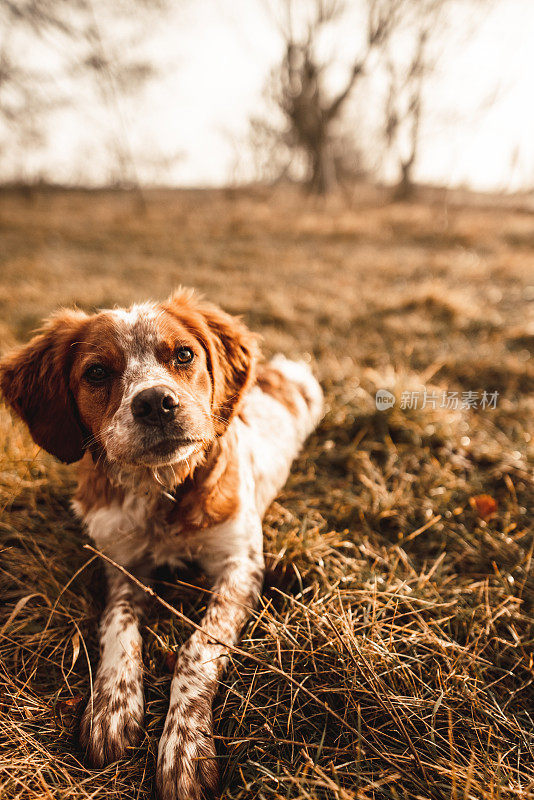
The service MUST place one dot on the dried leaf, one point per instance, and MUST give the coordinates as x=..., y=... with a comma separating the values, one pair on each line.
x=71, y=704
x=484, y=505
x=75, y=649
x=170, y=660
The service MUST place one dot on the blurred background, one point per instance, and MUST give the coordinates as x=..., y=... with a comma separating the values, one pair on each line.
x=319, y=92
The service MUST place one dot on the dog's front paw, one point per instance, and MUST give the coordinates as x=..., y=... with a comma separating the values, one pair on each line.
x=113, y=718
x=187, y=763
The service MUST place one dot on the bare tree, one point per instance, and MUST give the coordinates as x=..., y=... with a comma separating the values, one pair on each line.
x=423, y=29
x=406, y=80
x=91, y=47
x=298, y=88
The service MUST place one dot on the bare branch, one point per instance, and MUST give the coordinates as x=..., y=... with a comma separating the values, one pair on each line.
x=71, y=28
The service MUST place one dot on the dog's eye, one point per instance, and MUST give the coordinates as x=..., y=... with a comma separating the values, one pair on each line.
x=183, y=355
x=96, y=373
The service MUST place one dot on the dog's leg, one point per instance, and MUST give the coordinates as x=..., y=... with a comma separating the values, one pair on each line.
x=114, y=715
x=187, y=767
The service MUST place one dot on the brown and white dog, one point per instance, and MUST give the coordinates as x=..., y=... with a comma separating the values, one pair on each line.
x=182, y=445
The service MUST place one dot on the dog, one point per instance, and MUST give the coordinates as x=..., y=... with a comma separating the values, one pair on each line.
x=184, y=438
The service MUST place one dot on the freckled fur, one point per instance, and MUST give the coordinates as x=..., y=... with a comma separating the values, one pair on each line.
x=203, y=502
x=274, y=383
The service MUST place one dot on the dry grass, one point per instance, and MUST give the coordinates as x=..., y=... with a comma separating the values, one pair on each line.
x=392, y=602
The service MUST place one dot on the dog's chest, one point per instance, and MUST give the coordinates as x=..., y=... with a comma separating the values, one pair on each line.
x=140, y=531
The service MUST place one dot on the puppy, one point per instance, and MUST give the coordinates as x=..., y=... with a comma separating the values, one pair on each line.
x=183, y=442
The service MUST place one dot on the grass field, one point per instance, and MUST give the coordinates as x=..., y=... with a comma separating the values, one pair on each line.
x=398, y=596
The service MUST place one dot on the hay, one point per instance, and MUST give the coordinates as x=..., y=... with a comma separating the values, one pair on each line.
x=392, y=654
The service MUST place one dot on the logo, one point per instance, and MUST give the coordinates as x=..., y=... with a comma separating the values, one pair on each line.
x=384, y=400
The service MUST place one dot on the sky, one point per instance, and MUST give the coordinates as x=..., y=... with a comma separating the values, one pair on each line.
x=214, y=58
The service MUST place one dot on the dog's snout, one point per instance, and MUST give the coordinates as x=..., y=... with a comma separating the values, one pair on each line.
x=154, y=405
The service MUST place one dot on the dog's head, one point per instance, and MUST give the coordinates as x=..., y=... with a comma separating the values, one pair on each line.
x=149, y=386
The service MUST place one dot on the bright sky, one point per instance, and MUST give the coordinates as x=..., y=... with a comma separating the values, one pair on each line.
x=215, y=57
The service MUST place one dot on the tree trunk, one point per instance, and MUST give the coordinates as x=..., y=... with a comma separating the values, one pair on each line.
x=323, y=176
x=405, y=188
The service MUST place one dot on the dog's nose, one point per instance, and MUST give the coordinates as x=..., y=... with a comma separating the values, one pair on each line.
x=154, y=405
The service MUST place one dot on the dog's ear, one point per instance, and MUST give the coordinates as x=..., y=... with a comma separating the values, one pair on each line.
x=35, y=382
x=232, y=351
x=234, y=364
